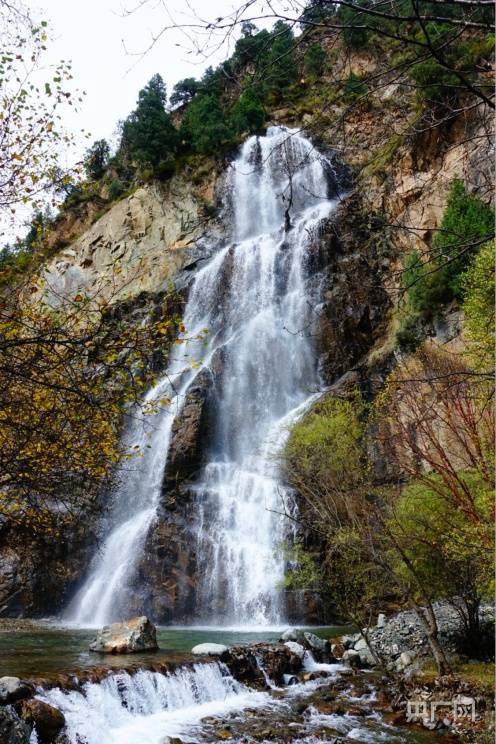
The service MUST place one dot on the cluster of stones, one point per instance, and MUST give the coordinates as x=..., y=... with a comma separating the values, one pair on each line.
x=401, y=639
x=19, y=712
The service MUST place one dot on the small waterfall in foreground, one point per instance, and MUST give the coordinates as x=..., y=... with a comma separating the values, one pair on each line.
x=148, y=707
x=257, y=298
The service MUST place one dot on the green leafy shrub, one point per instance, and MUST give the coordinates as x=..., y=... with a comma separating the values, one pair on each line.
x=13, y=261
x=116, y=189
x=466, y=223
x=437, y=83
x=165, y=169
x=354, y=88
x=450, y=548
x=478, y=307
x=279, y=69
x=410, y=333
x=324, y=452
x=351, y=20
x=429, y=285
x=248, y=114
x=204, y=128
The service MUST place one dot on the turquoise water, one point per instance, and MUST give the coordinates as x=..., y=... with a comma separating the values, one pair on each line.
x=46, y=650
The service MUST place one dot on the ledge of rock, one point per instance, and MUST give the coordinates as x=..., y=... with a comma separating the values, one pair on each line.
x=131, y=636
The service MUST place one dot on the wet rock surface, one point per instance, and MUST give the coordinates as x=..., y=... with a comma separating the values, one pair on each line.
x=257, y=663
x=13, y=689
x=12, y=729
x=210, y=649
x=47, y=720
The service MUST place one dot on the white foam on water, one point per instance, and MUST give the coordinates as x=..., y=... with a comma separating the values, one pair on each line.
x=147, y=707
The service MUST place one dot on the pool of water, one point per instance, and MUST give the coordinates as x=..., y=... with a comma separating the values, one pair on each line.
x=46, y=650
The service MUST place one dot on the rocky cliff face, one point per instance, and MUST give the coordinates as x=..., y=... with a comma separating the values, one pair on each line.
x=140, y=245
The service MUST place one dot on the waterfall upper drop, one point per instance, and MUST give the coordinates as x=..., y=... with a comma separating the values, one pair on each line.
x=257, y=298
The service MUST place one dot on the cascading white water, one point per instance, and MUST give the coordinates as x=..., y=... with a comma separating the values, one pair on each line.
x=256, y=297
x=103, y=596
x=269, y=373
x=148, y=707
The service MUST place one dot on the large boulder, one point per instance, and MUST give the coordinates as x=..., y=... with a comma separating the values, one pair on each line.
x=49, y=721
x=132, y=636
x=12, y=689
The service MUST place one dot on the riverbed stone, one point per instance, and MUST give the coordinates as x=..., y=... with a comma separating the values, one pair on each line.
x=12, y=729
x=49, y=721
x=131, y=636
x=292, y=634
x=315, y=643
x=381, y=620
x=209, y=649
x=295, y=648
x=366, y=658
x=12, y=689
x=405, y=660
x=351, y=658
x=361, y=645
x=349, y=641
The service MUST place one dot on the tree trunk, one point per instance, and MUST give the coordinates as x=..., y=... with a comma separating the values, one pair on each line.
x=428, y=620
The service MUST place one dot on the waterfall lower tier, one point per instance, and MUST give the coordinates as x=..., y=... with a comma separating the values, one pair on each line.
x=256, y=298
x=148, y=707
x=205, y=703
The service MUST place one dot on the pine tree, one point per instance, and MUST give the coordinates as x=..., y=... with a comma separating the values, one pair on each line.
x=248, y=113
x=281, y=64
x=184, y=91
x=314, y=60
x=148, y=135
x=96, y=159
x=204, y=128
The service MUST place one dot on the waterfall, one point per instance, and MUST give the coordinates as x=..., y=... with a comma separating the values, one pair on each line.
x=148, y=707
x=257, y=298
x=269, y=375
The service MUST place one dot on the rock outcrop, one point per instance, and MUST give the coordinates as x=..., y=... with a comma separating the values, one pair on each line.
x=132, y=636
x=139, y=245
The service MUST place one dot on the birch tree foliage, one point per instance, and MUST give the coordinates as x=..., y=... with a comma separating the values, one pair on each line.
x=34, y=98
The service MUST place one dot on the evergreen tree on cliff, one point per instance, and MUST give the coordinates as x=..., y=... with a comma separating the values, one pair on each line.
x=148, y=135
